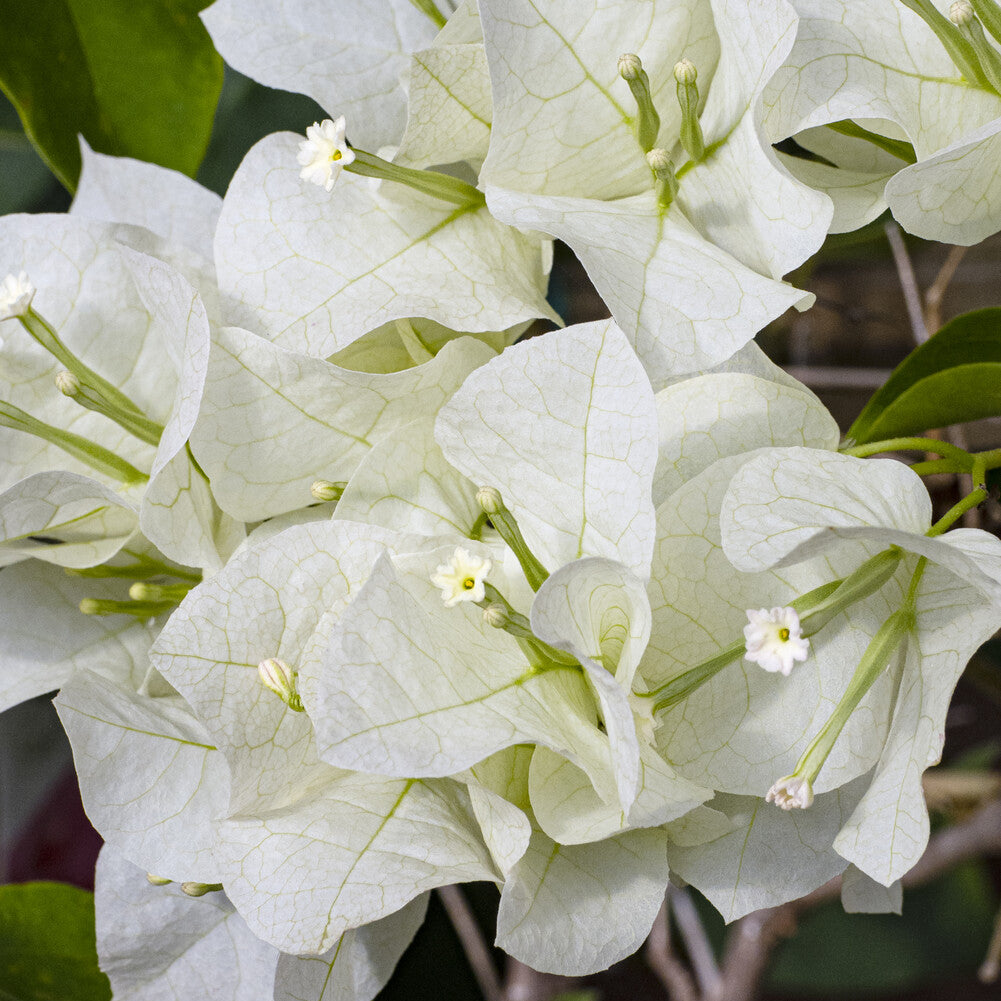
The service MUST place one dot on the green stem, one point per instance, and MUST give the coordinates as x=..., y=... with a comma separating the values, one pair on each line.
x=959, y=49
x=429, y=182
x=143, y=569
x=133, y=421
x=932, y=445
x=895, y=147
x=139, y=609
x=956, y=512
x=96, y=456
x=427, y=7
x=990, y=15
x=43, y=333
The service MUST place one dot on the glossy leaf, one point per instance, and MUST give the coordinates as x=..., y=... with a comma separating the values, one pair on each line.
x=47, y=948
x=136, y=77
x=953, y=377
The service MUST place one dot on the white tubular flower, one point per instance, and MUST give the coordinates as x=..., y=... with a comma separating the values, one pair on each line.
x=279, y=678
x=16, y=294
x=461, y=579
x=324, y=153
x=793, y=792
x=774, y=639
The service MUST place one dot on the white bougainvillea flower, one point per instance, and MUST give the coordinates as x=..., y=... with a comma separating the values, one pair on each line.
x=544, y=419
x=774, y=639
x=793, y=507
x=791, y=793
x=347, y=59
x=44, y=639
x=305, y=851
x=272, y=421
x=156, y=941
x=881, y=65
x=462, y=577
x=151, y=345
x=324, y=153
x=16, y=293
x=739, y=730
x=690, y=284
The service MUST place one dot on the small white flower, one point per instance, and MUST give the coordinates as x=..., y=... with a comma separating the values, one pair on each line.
x=461, y=579
x=15, y=296
x=775, y=639
x=324, y=153
x=793, y=792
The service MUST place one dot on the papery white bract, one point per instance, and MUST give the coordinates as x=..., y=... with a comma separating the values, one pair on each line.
x=324, y=153
x=775, y=639
x=462, y=578
x=16, y=293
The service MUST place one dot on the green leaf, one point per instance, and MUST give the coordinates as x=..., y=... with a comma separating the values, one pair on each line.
x=137, y=78
x=953, y=377
x=47, y=946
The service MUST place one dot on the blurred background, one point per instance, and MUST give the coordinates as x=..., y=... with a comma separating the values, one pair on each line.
x=843, y=348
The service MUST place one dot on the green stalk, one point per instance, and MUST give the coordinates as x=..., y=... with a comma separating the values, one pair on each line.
x=96, y=456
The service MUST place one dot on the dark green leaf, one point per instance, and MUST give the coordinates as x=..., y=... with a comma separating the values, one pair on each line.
x=953, y=377
x=137, y=78
x=47, y=946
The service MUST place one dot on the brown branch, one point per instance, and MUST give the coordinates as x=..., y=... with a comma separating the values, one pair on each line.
x=750, y=944
x=473, y=945
x=700, y=952
x=670, y=971
x=908, y=281
x=937, y=289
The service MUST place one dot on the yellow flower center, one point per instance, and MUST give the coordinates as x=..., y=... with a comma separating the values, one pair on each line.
x=469, y=583
x=336, y=155
x=783, y=634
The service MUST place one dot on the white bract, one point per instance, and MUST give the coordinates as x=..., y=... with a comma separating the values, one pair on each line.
x=882, y=66
x=689, y=284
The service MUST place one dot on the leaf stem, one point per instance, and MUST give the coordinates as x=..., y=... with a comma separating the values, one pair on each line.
x=957, y=511
x=932, y=445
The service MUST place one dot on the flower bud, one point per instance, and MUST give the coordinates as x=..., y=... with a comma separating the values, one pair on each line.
x=277, y=676
x=157, y=880
x=68, y=384
x=490, y=500
x=685, y=71
x=496, y=615
x=630, y=66
x=961, y=13
x=659, y=160
x=193, y=889
x=327, y=490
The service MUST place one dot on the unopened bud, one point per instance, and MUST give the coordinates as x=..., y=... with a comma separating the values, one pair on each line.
x=490, y=500
x=685, y=71
x=91, y=606
x=630, y=66
x=659, y=161
x=496, y=615
x=141, y=591
x=327, y=490
x=68, y=384
x=200, y=889
x=157, y=880
x=279, y=678
x=961, y=13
